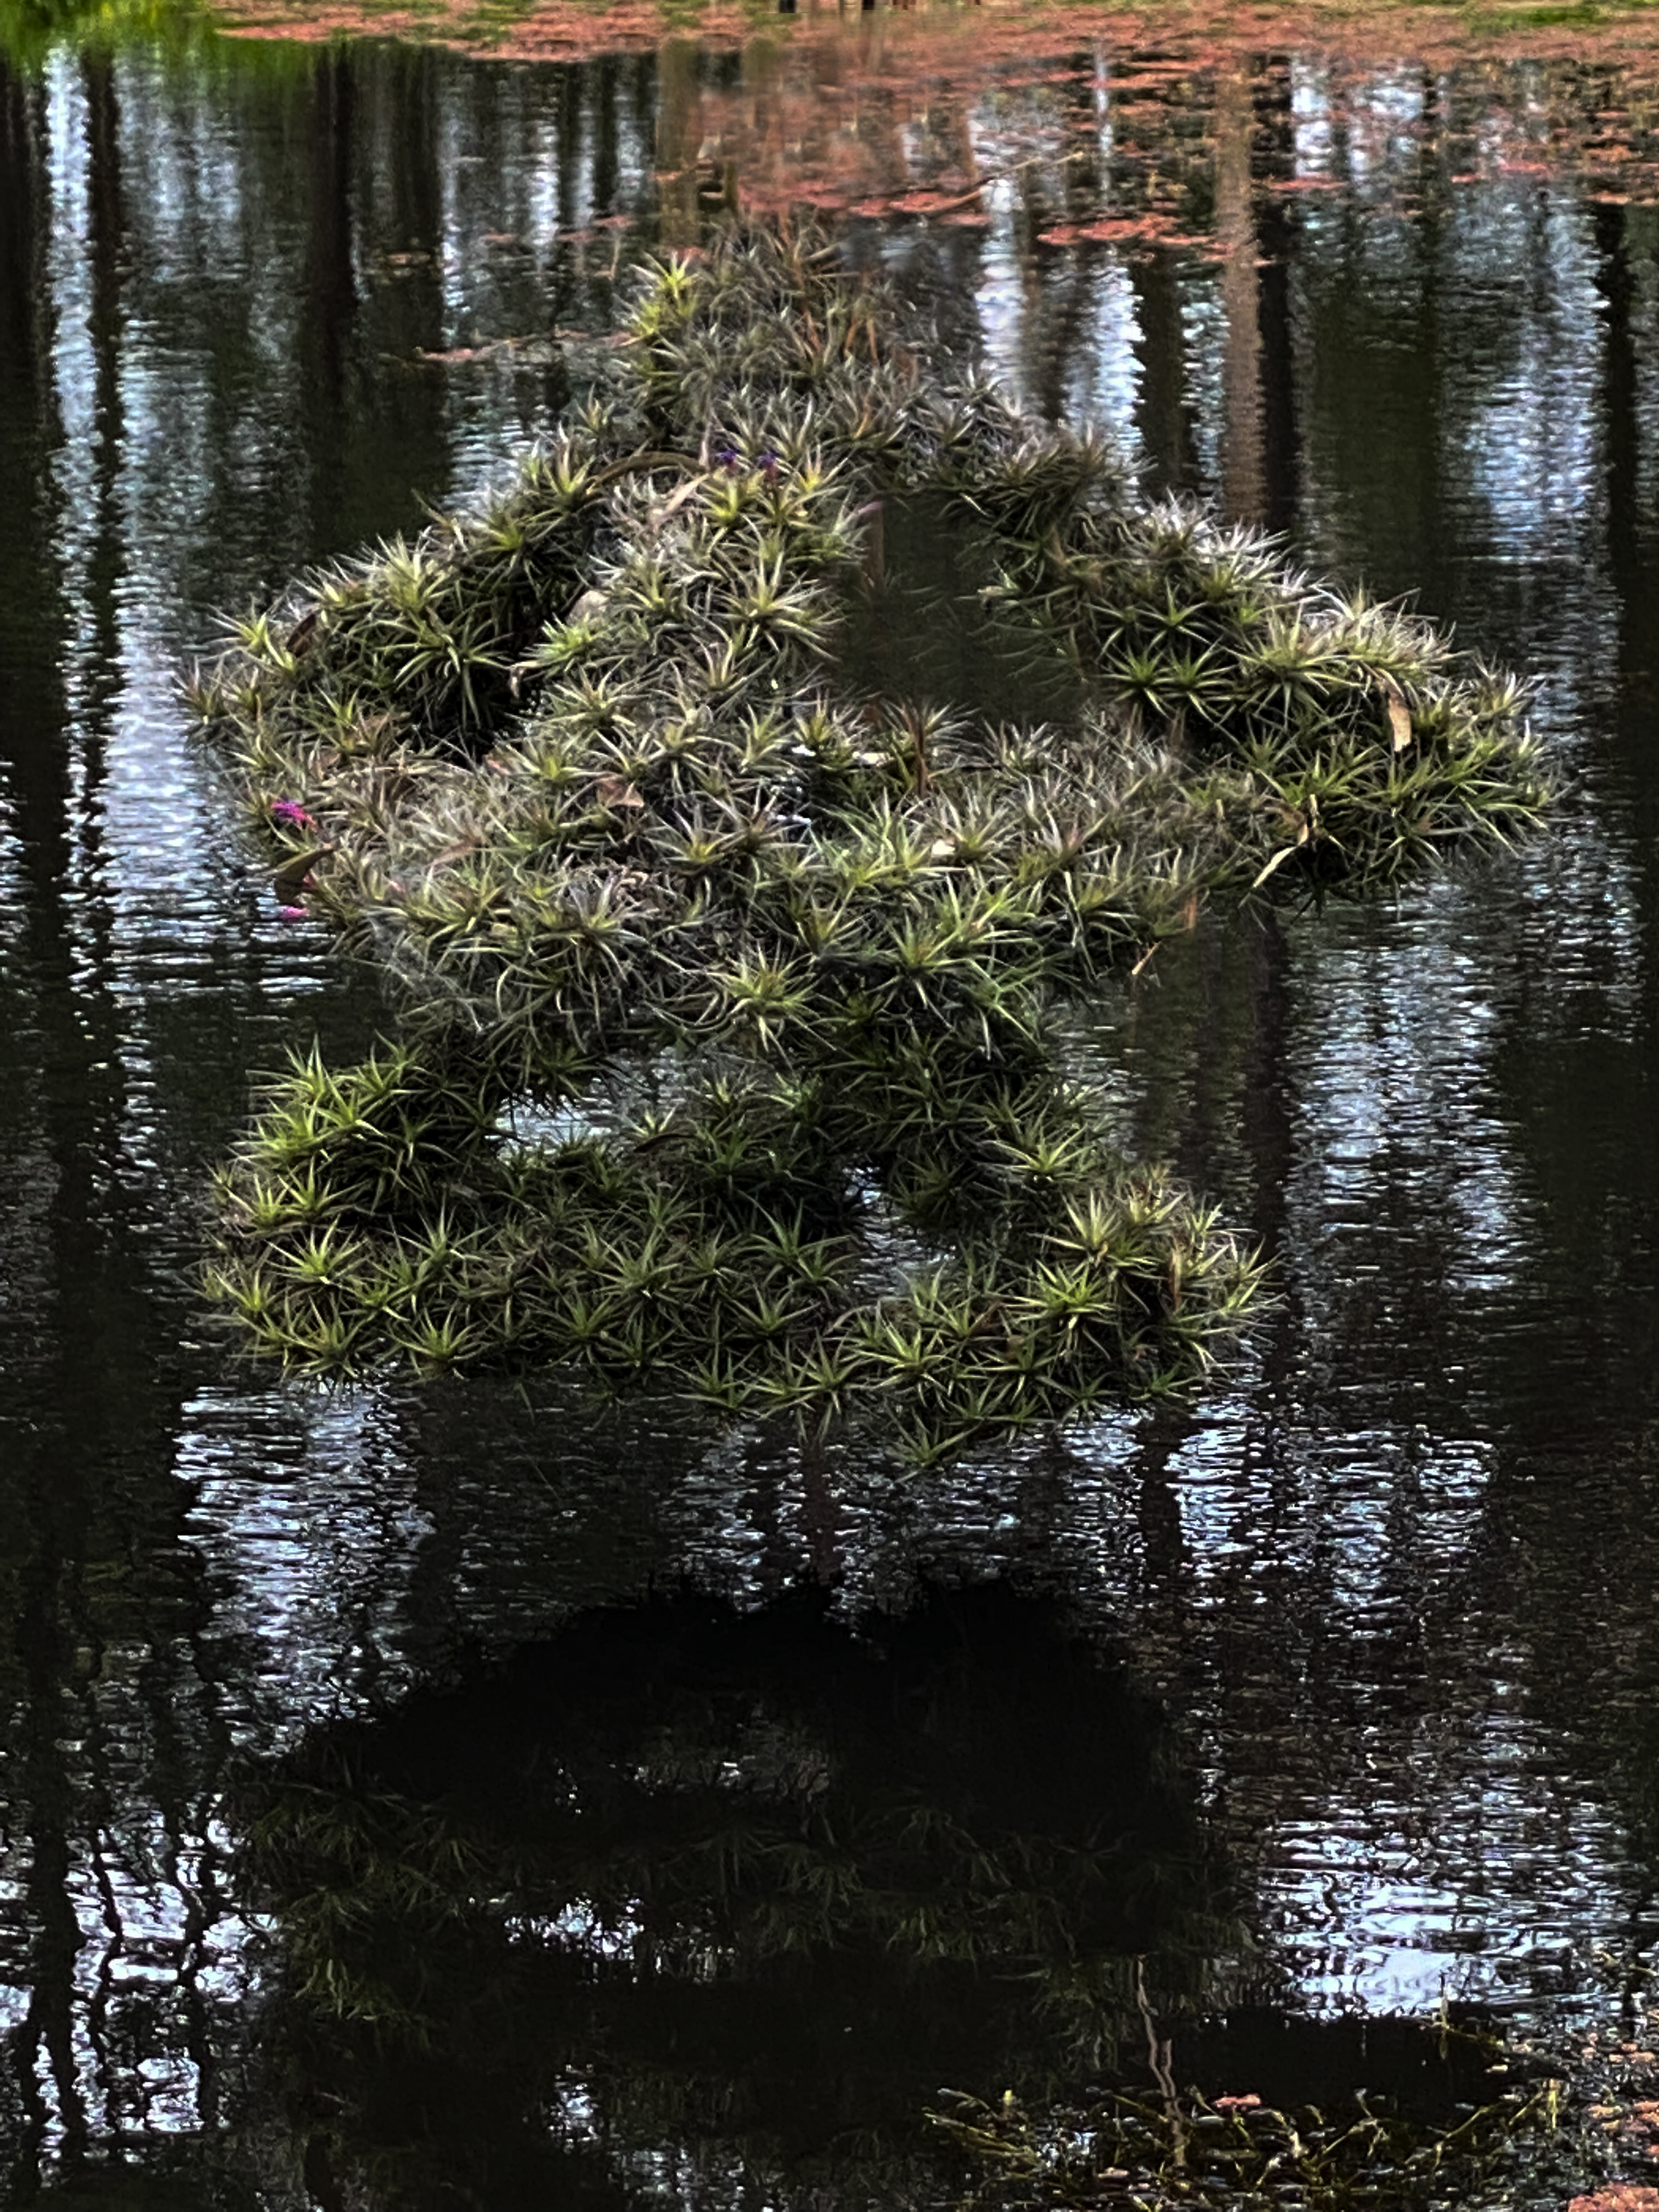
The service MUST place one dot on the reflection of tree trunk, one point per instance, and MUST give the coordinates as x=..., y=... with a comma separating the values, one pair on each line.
x=1267, y=1114
x=1276, y=144
x=605, y=76
x=59, y=1095
x=331, y=283
x=880, y=128
x=1032, y=215
x=417, y=197
x=874, y=122
x=32, y=620
x=1162, y=414
x=103, y=170
x=679, y=134
x=105, y=226
x=329, y=313
x=819, y=1518
x=959, y=135
x=1623, y=457
x=761, y=146
x=46, y=1799
x=403, y=440
x=1163, y=1612
x=1075, y=285
x=571, y=134
x=642, y=89
x=28, y=427
x=1243, y=491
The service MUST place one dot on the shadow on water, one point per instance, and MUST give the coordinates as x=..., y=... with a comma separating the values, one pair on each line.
x=729, y=1897
x=1383, y=1602
x=738, y=1889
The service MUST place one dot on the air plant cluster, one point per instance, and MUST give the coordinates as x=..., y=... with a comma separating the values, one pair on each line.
x=726, y=992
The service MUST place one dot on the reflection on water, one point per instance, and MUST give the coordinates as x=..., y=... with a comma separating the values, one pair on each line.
x=1392, y=1580
x=730, y=1888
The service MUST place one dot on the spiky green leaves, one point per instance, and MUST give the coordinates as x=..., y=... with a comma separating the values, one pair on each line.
x=722, y=1246
x=1344, y=743
x=578, y=770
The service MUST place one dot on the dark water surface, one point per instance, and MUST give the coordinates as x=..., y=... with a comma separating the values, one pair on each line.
x=1332, y=1695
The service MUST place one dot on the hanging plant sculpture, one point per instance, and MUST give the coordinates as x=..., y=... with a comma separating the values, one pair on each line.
x=726, y=995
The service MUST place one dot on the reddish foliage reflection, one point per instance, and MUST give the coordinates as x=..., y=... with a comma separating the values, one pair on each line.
x=1095, y=127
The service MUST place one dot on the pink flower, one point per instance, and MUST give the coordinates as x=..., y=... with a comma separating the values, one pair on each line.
x=291, y=813
x=291, y=913
x=1236, y=2103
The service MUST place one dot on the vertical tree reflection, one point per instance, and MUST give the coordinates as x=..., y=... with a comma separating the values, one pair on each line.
x=331, y=283
x=1244, y=488
x=106, y=225
x=1273, y=157
x=1162, y=411
x=679, y=133
x=58, y=1109
x=28, y=425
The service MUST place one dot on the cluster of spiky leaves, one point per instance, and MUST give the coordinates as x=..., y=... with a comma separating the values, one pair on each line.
x=763, y=970
x=723, y=1240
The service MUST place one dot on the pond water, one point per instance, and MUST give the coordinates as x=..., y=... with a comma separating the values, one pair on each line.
x=1348, y=1670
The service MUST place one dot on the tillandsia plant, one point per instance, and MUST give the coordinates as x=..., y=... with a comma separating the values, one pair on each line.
x=726, y=992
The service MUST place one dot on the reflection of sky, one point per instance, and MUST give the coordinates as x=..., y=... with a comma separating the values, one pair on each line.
x=1102, y=380
x=1401, y=1120
x=1480, y=1876
x=1400, y=1846
x=1204, y=338
x=171, y=1982
x=303, y=1512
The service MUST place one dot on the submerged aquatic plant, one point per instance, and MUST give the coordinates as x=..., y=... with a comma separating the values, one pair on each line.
x=723, y=988
x=1158, y=2152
